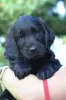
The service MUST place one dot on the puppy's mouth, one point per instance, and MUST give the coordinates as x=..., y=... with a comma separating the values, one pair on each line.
x=36, y=56
x=33, y=55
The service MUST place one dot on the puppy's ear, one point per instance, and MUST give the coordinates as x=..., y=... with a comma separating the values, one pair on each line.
x=48, y=34
x=11, y=51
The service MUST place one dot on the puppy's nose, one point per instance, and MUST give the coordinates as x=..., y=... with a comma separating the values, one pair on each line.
x=32, y=48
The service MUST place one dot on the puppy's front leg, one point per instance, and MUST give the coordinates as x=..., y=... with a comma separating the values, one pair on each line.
x=22, y=69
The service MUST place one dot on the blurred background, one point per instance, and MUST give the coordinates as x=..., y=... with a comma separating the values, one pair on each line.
x=52, y=11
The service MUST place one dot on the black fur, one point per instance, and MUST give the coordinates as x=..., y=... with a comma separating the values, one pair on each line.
x=28, y=50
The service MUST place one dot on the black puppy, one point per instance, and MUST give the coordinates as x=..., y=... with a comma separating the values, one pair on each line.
x=28, y=50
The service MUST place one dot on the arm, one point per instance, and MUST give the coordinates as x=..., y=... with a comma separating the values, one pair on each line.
x=32, y=87
x=57, y=85
x=21, y=89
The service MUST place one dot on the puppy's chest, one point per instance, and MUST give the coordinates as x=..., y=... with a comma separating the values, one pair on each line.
x=37, y=65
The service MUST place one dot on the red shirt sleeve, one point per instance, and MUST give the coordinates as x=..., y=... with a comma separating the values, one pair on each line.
x=46, y=90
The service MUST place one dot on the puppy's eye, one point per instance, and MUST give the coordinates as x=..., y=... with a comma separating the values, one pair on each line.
x=22, y=34
x=39, y=36
x=20, y=42
x=34, y=30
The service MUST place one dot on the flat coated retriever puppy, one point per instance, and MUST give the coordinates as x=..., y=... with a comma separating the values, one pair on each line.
x=28, y=50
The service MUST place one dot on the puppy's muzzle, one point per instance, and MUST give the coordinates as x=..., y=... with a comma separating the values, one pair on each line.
x=32, y=49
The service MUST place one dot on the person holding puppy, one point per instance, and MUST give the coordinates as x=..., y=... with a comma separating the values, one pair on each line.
x=31, y=88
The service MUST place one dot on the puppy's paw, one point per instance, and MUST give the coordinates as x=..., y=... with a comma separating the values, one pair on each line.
x=41, y=75
x=22, y=71
x=46, y=73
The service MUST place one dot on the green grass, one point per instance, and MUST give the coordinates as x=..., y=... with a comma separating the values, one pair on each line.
x=63, y=38
x=2, y=60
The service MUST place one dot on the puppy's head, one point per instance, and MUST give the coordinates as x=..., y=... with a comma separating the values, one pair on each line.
x=29, y=38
